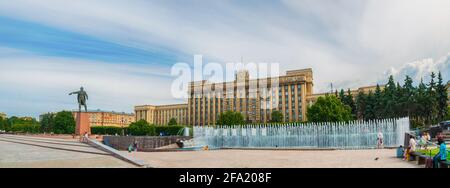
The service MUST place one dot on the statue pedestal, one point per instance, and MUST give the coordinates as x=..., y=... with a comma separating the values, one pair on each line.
x=82, y=124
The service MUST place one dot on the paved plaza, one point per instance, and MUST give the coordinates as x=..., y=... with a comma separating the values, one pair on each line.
x=274, y=159
x=27, y=151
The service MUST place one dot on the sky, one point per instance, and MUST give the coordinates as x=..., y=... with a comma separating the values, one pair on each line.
x=122, y=52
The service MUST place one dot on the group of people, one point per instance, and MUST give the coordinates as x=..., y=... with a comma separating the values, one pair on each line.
x=424, y=141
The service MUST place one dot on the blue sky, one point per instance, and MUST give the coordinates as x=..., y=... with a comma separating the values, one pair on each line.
x=122, y=51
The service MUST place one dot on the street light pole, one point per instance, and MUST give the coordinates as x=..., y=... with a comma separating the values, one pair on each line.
x=123, y=132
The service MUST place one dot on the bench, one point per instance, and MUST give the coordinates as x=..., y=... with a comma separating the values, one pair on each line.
x=414, y=156
x=444, y=164
x=422, y=159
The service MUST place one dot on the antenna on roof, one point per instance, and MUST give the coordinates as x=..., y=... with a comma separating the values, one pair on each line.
x=331, y=91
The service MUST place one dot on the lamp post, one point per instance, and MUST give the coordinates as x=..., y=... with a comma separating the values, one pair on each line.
x=123, y=132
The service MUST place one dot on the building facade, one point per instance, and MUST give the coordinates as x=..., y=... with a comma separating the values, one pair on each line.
x=107, y=118
x=161, y=114
x=288, y=95
x=3, y=115
x=255, y=99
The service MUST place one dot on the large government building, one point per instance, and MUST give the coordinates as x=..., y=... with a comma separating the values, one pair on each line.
x=257, y=103
x=291, y=95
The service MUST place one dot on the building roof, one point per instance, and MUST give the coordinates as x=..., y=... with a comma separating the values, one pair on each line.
x=105, y=111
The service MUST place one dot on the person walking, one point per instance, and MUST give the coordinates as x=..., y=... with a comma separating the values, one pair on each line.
x=135, y=145
x=380, y=140
x=86, y=136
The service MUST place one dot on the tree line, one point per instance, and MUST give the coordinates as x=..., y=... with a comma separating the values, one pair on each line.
x=425, y=104
x=60, y=123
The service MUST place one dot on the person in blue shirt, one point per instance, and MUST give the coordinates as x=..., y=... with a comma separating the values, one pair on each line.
x=442, y=155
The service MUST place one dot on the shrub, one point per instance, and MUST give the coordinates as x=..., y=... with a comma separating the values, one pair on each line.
x=277, y=116
x=172, y=121
x=230, y=118
x=25, y=128
x=141, y=128
x=108, y=130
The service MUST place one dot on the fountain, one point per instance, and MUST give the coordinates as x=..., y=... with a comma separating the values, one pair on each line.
x=351, y=135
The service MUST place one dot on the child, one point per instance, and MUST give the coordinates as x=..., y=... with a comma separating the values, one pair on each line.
x=130, y=148
x=406, y=158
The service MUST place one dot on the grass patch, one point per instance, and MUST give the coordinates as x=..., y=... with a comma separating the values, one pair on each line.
x=432, y=152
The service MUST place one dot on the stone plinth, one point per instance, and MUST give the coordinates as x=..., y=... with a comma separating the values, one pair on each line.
x=82, y=123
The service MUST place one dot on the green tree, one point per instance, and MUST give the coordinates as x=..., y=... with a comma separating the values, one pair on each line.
x=441, y=98
x=342, y=95
x=360, y=105
x=431, y=104
x=24, y=125
x=2, y=123
x=447, y=117
x=369, y=111
x=47, y=122
x=407, y=99
x=350, y=102
x=141, y=128
x=377, y=103
x=421, y=99
x=64, y=123
x=173, y=121
x=329, y=109
x=277, y=117
x=398, y=109
x=230, y=118
x=389, y=100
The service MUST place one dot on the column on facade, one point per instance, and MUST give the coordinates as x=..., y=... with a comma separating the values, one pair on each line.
x=214, y=98
x=296, y=94
x=283, y=103
x=290, y=103
x=303, y=103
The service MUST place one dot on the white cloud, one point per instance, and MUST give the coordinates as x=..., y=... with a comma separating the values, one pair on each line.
x=421, y=69
x=348, y=43
x=40, y=84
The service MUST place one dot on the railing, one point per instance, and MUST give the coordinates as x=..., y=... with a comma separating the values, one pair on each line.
x=351, y=135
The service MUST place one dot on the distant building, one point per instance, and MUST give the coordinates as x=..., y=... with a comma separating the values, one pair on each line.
x=3, y=115
x=104, y=118
x=255, y=104
x=161, y=114
x=109, y=118
x=26, y=118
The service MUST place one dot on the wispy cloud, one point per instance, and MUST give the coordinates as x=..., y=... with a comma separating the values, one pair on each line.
x=347, y=43
x=421, y=70
x=33, y=84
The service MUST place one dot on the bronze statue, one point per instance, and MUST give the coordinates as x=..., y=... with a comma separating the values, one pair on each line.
x=82, y=98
